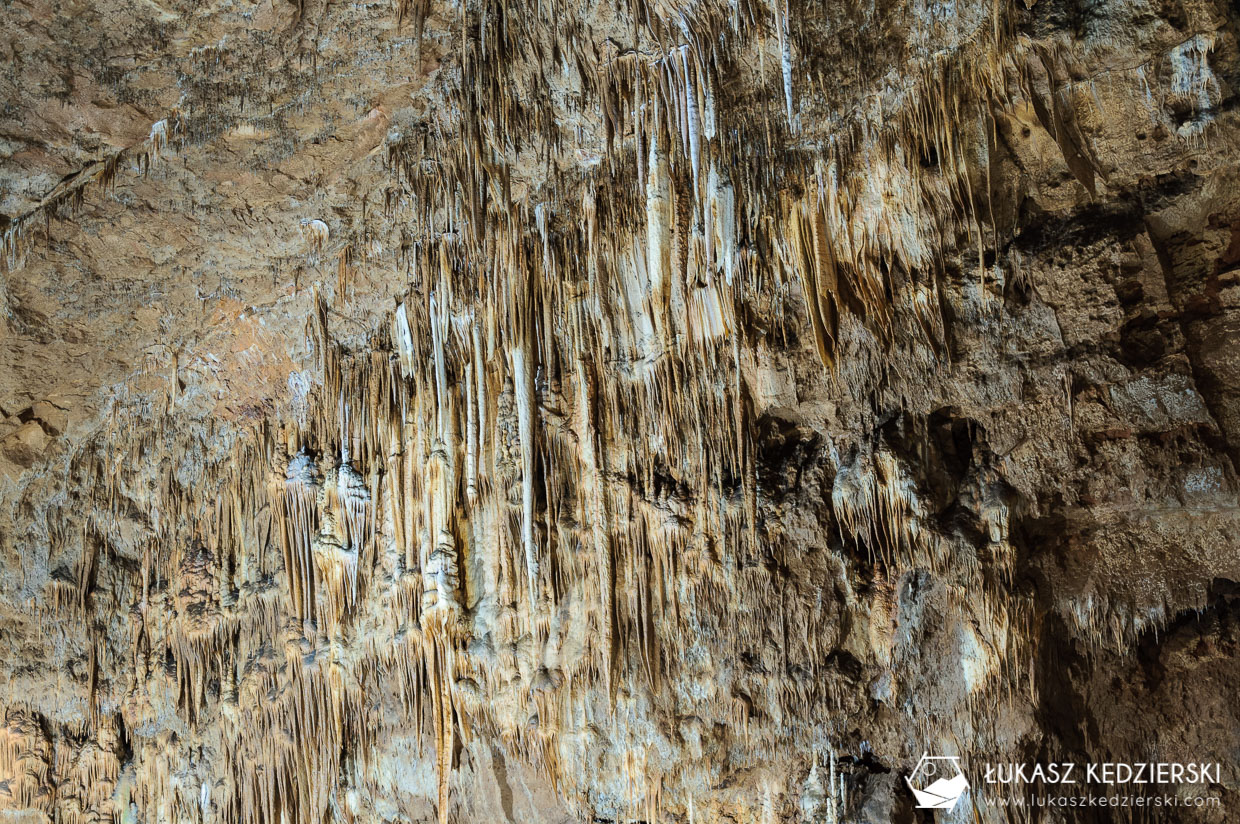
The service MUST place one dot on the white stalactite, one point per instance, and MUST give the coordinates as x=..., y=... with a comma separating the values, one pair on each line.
x=785, y=55
x=404, y=341
x=471, y=437
x=523, y=383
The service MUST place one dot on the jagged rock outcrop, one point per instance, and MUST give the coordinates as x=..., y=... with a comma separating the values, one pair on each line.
x=521, y=411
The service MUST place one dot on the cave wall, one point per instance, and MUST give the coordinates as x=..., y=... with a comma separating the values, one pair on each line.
x=522, y=411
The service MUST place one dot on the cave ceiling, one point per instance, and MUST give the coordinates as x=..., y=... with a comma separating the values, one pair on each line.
x=532, y=411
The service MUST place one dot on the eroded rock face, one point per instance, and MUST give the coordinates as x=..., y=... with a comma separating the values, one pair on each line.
x=530, y=412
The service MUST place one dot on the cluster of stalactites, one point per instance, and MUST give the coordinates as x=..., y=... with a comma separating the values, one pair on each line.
x=61, y=772
x=877, y=504
x=67, y=197
x=541, y=396
x=25, y=762
x=662, y=257
x=484, y=419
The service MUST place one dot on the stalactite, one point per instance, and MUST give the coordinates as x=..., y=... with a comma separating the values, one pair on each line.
x=658, y=232
x=596, y=514
x=297, y=522
x=471, y=436
x=404, y=340
x=523, y=381
x=316, y=233
x=785, y=55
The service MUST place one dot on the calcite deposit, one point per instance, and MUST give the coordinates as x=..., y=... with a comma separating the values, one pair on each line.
x=532, y=411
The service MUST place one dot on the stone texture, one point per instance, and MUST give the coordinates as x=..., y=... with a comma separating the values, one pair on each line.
x=533, y=411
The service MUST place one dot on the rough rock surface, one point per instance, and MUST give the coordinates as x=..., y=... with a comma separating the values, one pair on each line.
x=518, y=410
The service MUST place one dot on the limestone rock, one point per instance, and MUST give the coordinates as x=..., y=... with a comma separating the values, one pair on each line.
x=24, y=446
x=685, y=411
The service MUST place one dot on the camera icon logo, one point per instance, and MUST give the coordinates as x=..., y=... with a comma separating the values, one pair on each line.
x=937, y=782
